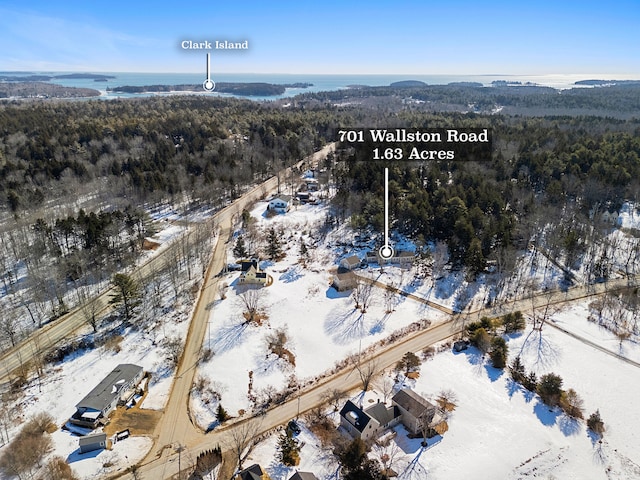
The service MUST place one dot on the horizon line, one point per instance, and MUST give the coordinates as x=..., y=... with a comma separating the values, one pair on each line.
x=97, y=72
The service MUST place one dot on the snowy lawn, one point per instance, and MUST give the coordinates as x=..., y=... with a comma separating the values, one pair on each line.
x=499, y=430
x=322, y=326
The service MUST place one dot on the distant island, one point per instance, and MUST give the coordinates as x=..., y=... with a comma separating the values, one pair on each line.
x=408, y=84
x=511, y=83
x=43, y=90
x=12, y=77
x=604, y=83
x=235, y=88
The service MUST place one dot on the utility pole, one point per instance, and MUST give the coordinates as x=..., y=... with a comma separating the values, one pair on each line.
x=179, y=448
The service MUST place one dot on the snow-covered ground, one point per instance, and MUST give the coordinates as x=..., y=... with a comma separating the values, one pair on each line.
x=321, y=324
x=499, y=430
x=65, y=383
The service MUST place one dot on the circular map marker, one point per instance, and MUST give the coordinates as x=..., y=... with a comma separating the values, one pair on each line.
x=209, y=85
x=386, y=252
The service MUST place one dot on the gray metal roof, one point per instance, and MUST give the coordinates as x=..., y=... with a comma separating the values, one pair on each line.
x=412, y=402
x=382, y=413
x=109, y=388
x=91, y=439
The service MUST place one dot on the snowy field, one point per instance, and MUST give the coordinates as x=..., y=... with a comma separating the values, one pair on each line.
x=321, y=324
x=501, y=431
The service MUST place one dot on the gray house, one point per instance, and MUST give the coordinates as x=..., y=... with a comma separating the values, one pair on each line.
x=402, y=258
x=97, y=441
x=416, y=411
x=119, y=386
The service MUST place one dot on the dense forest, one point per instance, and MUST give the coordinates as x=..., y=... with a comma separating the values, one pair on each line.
x=622, y=101
x=147, y=149
x=562, y=171
x=77, y=177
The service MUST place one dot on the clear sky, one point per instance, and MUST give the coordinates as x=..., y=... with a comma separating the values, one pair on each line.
x=419, y=37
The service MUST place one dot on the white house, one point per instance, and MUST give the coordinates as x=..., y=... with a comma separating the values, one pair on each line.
x=351, y=262
x=280, y=203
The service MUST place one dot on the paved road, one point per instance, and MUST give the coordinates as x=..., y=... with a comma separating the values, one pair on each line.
x=175, y=427
x=166, y=465
x=47, y=337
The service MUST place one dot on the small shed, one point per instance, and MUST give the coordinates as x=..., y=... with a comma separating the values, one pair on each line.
x=96, y=441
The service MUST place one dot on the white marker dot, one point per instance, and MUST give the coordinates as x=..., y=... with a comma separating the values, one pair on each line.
x=208, y=85
x=386, y=251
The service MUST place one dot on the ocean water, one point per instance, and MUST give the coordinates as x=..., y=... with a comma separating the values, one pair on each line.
x=320, y=82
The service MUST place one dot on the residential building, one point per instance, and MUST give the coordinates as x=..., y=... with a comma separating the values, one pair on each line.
x=254, y=472
x=416, y=411
x=368, y=424
x=117, y=387
x=403, y=258
x=280, y=203
x=351, y=262
x=345, y=281
x=303, y=476
x=250, y=273
x=89, y=443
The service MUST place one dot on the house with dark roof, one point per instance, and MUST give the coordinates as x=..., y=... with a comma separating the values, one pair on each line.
x=303, y=476
x=250, y=273
x=368, y=424
x=254, y=472
x=117, y=387
x=416, y=411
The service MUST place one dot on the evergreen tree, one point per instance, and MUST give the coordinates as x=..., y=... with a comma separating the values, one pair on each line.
x=517, y=370
x=482, y=340
x=127, y=293
x=595, y=423
x=499, y=352
x=408, y=363
x=289, y=449
x=513, y=322
x=530, y=382
x=240, y=251
x=474, y=258
x=550, y=388
x=274, y=246
x=304, y=251
x=221, y=414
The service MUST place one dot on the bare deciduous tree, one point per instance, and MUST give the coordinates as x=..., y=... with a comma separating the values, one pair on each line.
x=366, y=372
x=251, y=299
x=385, y=383
x=173, y=350
x=9, y=326
x=388, y=453
x=88, y=306
x=335, y=398
x=242, y=438
x=362, y=294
